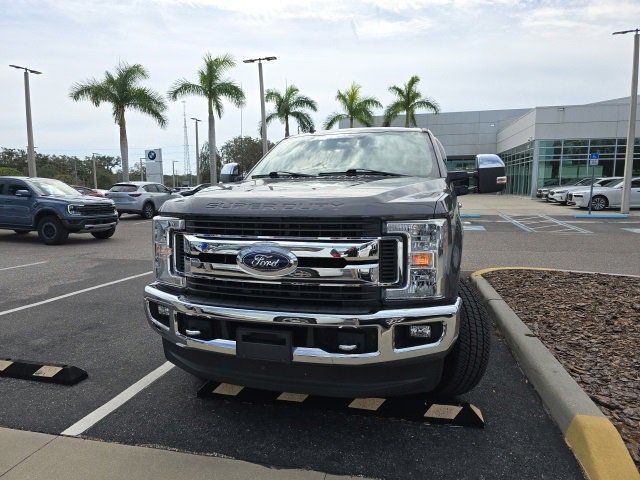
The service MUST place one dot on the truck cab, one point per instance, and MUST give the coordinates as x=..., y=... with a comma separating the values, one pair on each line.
x=331, y=268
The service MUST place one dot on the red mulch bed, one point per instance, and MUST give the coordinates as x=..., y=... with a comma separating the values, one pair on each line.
x=591, y=323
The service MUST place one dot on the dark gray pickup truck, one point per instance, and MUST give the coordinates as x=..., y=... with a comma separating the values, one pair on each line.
x=332, y=268
x=53, y=209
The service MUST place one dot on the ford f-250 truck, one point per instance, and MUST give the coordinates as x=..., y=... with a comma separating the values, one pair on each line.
x=332, y=268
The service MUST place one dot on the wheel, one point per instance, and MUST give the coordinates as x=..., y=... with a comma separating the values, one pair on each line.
x=51, y=231
x=148, y=210
x=21, y=232
x=599, y=202
x=466, y=363
x=104, y=234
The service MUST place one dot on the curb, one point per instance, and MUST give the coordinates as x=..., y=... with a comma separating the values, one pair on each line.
x=594, y=440
x=470, y=215
x=602, y=215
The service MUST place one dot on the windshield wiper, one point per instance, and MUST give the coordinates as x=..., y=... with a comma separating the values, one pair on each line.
x=279, y=173
x=353, y=172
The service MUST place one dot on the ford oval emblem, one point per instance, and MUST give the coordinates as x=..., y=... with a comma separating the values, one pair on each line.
x=267, y=260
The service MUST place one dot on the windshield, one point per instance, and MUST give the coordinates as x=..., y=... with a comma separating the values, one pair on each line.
x=403, y=153
x=123, y=188
x=608, y=183
x=584, y=181
x=51, y=187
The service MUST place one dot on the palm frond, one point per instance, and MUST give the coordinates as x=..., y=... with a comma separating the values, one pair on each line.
x=183, y=88
x=333, y=119
x=304, y=121
x=428, y=104
x=231, y=91
x=150, y=102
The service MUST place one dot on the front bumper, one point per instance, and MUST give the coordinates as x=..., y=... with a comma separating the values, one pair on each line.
x=384, y=320
x=90, y=224
x=388, y=370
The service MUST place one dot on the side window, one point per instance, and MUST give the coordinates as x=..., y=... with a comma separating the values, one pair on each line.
x=14, y=187
x=163, y=189
x=635, y=183
x=150, y=188
x=2, y=186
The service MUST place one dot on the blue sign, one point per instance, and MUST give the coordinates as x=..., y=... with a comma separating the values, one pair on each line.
x=594, y=155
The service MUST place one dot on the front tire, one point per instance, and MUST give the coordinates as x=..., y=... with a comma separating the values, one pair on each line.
x=104, y=234
x=599, y=202
x=51, y=231
x=148, y=210
x=467, y=361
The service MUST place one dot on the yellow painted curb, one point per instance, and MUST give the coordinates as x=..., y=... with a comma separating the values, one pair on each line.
x=599, y=448
x=479, y=273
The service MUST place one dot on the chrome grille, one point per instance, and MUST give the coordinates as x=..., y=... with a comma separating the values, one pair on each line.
x=285, y=227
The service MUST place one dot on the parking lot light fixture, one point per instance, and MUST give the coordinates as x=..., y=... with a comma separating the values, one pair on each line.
x=196, y=121
x=31, y=158
x=631, y=133
x=263, y=124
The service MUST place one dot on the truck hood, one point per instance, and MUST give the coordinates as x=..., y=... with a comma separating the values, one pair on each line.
x=386, y=197
x=76, y=200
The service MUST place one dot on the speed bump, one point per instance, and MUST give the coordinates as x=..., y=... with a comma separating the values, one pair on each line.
x=415, y=408
x=39, y=372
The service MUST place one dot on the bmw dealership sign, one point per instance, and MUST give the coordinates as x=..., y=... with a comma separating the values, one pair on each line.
x=154, y=165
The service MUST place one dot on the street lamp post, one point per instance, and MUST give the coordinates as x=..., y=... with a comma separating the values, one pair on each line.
x=141, y=174
x=196, y=121
x=31, y=158
x=631, y=133
x=265, y=145
x=95, y=173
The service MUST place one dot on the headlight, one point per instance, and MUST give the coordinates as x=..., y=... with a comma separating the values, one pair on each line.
x=427, y=242
x=73, y=209
x=163, y=228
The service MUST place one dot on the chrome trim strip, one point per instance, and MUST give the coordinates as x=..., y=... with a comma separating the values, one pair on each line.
x=382, y=320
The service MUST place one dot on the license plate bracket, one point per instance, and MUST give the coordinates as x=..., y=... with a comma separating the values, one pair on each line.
x=257, y=344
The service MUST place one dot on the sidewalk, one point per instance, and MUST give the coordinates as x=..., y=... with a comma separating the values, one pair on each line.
x=488, y=204
x=35, y=456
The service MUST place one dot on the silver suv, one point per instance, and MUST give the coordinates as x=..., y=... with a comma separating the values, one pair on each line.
x=143, y=198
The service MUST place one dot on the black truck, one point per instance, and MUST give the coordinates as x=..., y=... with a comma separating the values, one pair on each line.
x=332, y=268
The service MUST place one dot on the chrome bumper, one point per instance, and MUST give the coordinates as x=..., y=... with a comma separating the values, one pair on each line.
x=383, y=320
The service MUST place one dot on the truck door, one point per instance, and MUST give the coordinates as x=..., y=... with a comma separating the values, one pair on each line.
x=17, y=210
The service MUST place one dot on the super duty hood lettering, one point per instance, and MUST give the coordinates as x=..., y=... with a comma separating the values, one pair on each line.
x=275, y=206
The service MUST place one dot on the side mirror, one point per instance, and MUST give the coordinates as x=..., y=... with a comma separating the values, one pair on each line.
x=490, y=170
x=230, y=173
x=460, y=181
x=23, y=193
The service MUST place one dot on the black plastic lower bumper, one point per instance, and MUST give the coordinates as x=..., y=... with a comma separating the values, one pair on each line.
x=383, y=379
x=90, y=224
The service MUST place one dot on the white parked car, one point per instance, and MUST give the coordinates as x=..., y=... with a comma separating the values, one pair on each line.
x=605, y=197
x=143, y=198
x=559, y=194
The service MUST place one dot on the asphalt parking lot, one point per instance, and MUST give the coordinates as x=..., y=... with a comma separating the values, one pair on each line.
x=81, y=304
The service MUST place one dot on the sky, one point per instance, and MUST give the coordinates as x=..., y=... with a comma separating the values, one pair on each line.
x=469, y=54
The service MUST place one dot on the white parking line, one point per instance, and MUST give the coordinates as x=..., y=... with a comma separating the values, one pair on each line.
x=71, y=294
x=138, y=223
x=25, y=265
x=516, y=223
x=567, y=225
x=116, y=402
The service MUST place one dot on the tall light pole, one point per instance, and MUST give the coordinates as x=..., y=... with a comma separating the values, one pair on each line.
x=141, y=174
x=196, y=121
x=31, y=158
x=95, y=173
x=265, y=145
x=631, y=133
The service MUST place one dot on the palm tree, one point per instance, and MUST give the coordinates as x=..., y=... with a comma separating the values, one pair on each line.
x=212, y=86
x=355, y=107
x=291, y=104
x=122, y=91
x=408, y=100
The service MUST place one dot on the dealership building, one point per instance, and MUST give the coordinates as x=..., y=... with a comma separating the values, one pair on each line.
x=541, y=145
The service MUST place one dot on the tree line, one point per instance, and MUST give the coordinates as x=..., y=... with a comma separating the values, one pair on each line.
x=75, y=170
x=123, y=90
